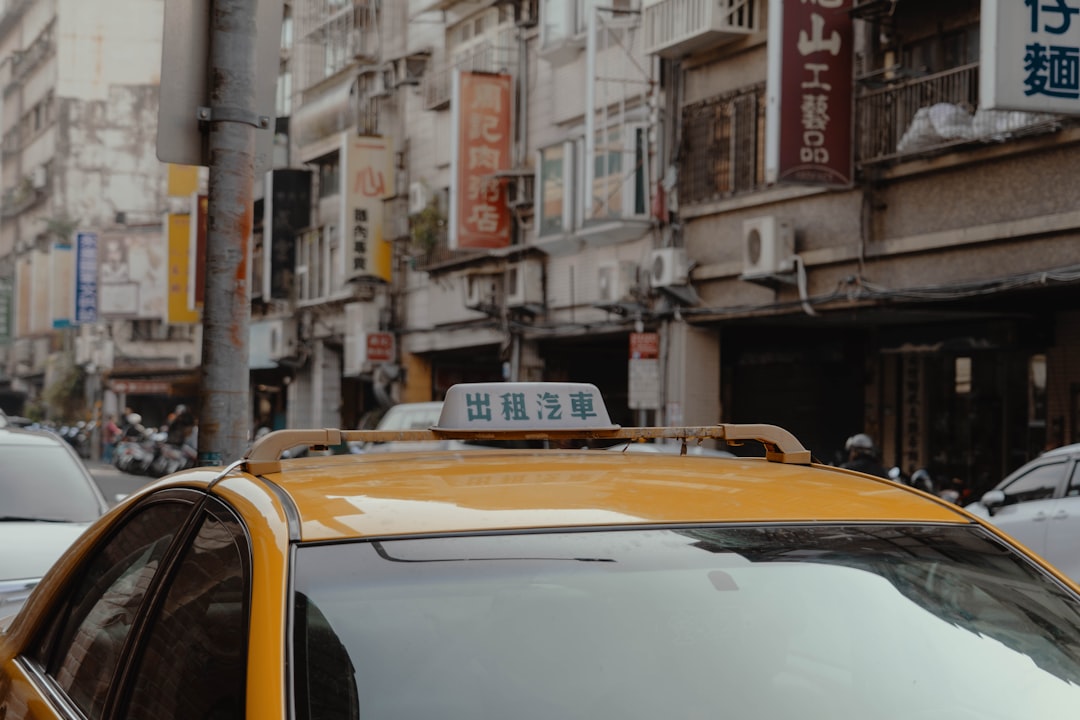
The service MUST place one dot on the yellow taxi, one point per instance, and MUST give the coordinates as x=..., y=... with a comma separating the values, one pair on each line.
x=542, y=583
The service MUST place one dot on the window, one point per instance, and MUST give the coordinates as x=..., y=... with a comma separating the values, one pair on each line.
x=618, y=173
x=329, y=176
x=723, y=147
x=320, y=268
x=556, y=188
x=567, y=20
x=194, y=662
x=284, y=92
x=619, y=182
x=90, y=632
x=1039, y=484
x=945, y=51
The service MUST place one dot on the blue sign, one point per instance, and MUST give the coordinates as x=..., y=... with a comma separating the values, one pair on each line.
x=86, y=283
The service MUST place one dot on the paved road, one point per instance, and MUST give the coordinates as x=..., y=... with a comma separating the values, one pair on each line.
x=113, y=482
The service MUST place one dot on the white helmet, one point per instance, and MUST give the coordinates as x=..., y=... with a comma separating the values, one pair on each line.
x=861, y=441
x=134, y=418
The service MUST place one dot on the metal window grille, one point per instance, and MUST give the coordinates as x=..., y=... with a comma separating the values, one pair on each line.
x=723, y=146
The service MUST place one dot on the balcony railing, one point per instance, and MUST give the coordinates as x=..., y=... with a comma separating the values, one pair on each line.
x=489, y=56
x=931, y=113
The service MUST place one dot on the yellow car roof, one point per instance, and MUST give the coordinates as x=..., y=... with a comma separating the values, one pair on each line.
x=380, y=494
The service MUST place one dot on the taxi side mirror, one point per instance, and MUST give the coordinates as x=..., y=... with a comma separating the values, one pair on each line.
x=993, y=499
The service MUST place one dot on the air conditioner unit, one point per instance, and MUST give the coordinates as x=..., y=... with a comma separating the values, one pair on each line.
x=768, y=244
x=524, y=284
x=668, y=266
x=481, y=290
x=615, y=281
x=419, y=197
x=282, y=339
x=39, y=178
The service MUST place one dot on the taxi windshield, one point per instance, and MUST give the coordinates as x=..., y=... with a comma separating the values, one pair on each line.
x=775, y=622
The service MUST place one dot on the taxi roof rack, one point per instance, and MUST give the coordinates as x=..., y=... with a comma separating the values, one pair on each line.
x=781, y=446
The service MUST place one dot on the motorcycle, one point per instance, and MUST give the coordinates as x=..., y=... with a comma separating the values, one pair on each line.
x=171, y=458
x=136, y=452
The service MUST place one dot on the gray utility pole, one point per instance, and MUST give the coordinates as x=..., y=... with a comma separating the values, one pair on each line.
x=232, y=119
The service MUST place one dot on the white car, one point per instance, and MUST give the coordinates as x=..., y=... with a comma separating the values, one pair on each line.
x=47, y=499
x=1039, y=505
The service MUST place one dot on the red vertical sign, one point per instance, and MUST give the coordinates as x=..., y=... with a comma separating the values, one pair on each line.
x=815, y=92
x=480, y=217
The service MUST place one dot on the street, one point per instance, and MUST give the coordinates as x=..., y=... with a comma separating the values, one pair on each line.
x=113, y=482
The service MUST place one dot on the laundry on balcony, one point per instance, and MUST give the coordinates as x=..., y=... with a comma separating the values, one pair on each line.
x=946, y=123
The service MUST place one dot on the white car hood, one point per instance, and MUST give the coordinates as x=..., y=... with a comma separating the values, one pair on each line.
x=28, y=549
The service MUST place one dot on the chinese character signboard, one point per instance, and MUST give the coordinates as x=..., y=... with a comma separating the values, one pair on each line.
x=179, y=309
x=86, y=264
x=379, y=347
x=1030, y=55
x=7, y=300
x=808, y=122
x=200, y=205
x=62, y=292
x=479, y=215
x=644, y=371
x=367, y=179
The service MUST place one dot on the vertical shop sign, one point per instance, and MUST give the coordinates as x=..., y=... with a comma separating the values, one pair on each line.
x=197, y=250
x=86, y=271
x=1030, y=56
x=481, y=129
x=6, y=302
x=178, y=307
x=644, y=371
x=809, y=94
x=367, y=180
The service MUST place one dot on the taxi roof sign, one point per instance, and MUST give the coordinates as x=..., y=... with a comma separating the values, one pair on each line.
x=525, y=411
x=523, y=406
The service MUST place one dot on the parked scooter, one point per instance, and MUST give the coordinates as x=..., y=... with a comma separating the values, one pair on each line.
x=171, y=458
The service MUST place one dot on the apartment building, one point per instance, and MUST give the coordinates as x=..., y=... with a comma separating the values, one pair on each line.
x=918, y=287
x=81, y=185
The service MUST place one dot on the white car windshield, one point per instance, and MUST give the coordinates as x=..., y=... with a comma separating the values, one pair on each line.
x=775, y=622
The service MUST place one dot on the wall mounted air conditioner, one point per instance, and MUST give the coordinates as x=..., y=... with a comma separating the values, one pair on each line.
x=481, y=290
x=768, y=244
x=39, y=178
x=419, y=197
x=668, y=267
x=524, y=284
x=616, y=280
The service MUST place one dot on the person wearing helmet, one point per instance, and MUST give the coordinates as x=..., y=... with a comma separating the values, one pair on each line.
x=862, y=456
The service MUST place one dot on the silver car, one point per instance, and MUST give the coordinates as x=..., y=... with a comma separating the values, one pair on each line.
x=47, y=499
x=1039, y=505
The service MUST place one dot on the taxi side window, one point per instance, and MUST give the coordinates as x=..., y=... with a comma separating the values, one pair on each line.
x=195, y=656
x=1039, y=484
x=104, y=603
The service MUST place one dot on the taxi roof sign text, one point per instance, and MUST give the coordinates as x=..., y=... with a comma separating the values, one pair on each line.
x=512, y=407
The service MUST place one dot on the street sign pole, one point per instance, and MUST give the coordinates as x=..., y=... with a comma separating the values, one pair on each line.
x=232, y=120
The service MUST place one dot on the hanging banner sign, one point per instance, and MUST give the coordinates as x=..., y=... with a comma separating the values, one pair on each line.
x=86, y=278
x=809, y=93
x=367, y=179
x=480, y=127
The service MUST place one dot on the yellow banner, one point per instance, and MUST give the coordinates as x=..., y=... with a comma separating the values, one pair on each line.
x=183, y=180
x=179, y=311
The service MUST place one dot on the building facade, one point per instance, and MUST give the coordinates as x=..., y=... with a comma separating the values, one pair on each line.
x=80, y=98
x=926, y=299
